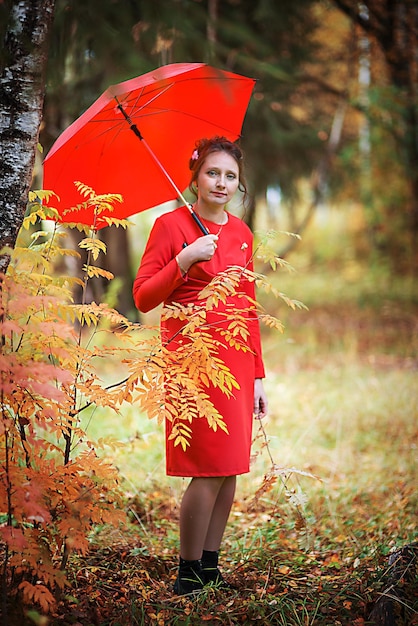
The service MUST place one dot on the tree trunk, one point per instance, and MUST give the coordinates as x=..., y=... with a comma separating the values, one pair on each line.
x=22, y=83
x=211, y=28
x=118, y=261
x=394, y=26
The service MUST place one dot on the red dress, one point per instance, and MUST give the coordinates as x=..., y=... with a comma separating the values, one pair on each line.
x=159, y=280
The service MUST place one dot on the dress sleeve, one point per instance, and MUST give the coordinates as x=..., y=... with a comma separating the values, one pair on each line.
x=255, y=337
x=158, y=274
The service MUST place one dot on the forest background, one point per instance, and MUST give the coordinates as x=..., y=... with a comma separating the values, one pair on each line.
x=331, y=138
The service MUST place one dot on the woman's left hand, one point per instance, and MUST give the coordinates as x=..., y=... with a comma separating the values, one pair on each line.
x=260, y=399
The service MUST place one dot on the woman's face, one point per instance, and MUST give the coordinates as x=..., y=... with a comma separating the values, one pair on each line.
x=218, y=179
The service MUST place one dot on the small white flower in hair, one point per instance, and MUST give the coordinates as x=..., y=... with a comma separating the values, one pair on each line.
x=195, y=155
x=244, y=246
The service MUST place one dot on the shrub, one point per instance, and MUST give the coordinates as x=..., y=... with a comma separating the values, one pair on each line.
x=55, y=484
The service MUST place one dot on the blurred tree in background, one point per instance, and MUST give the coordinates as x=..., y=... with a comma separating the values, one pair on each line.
x=387, y=96
x=334, y=117
x=258, y=39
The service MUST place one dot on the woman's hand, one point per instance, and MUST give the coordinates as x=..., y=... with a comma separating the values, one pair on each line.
x=260, y=399
x=202, y=249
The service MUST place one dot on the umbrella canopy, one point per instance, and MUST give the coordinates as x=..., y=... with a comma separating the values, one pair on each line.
x=138, y=137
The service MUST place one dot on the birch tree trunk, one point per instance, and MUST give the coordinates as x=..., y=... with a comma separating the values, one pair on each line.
x=22, y=84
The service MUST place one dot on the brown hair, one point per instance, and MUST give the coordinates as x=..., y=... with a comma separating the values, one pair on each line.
x=204, y=147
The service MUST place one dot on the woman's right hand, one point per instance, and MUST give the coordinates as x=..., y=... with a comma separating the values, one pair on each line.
x=202, y=249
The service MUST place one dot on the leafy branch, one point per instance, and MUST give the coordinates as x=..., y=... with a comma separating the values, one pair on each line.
x=55, y=486
x=296, y=497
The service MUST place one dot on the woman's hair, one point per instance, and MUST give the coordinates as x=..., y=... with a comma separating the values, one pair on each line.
x=204, y=147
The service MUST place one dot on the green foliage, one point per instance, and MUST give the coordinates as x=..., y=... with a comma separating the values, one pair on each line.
x=267, y=40
x=302, y=55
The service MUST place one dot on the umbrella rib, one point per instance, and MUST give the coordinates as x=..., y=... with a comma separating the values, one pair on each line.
x=137, y=133
x=110, y=132
x=136, y=116
x=137, y=113
x=139, y=96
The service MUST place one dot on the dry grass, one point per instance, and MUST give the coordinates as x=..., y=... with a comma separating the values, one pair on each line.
x=343, y=407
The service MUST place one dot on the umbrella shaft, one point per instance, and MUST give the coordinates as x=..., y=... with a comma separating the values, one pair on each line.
x=134, y=128
x=198, y=222
x=177, y=190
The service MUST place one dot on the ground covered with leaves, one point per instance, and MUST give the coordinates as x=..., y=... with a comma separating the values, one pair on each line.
x=121, y=583
x=340, y=550
x=121, y=586
x=299, y=552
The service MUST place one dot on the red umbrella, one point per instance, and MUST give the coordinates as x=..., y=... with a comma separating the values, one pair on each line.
x=138, y=137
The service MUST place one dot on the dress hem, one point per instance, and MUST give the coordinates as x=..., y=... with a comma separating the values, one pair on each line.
x=208, y=474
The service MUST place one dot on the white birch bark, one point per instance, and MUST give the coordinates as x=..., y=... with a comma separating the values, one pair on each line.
x=22, y=84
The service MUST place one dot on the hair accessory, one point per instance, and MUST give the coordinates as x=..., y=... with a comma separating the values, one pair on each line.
x=195, y=155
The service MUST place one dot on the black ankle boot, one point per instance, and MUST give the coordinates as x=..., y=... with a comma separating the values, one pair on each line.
x=189, y=579
x=210, y=571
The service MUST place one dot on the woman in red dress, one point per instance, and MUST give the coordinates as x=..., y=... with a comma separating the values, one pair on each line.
x=178, y=262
